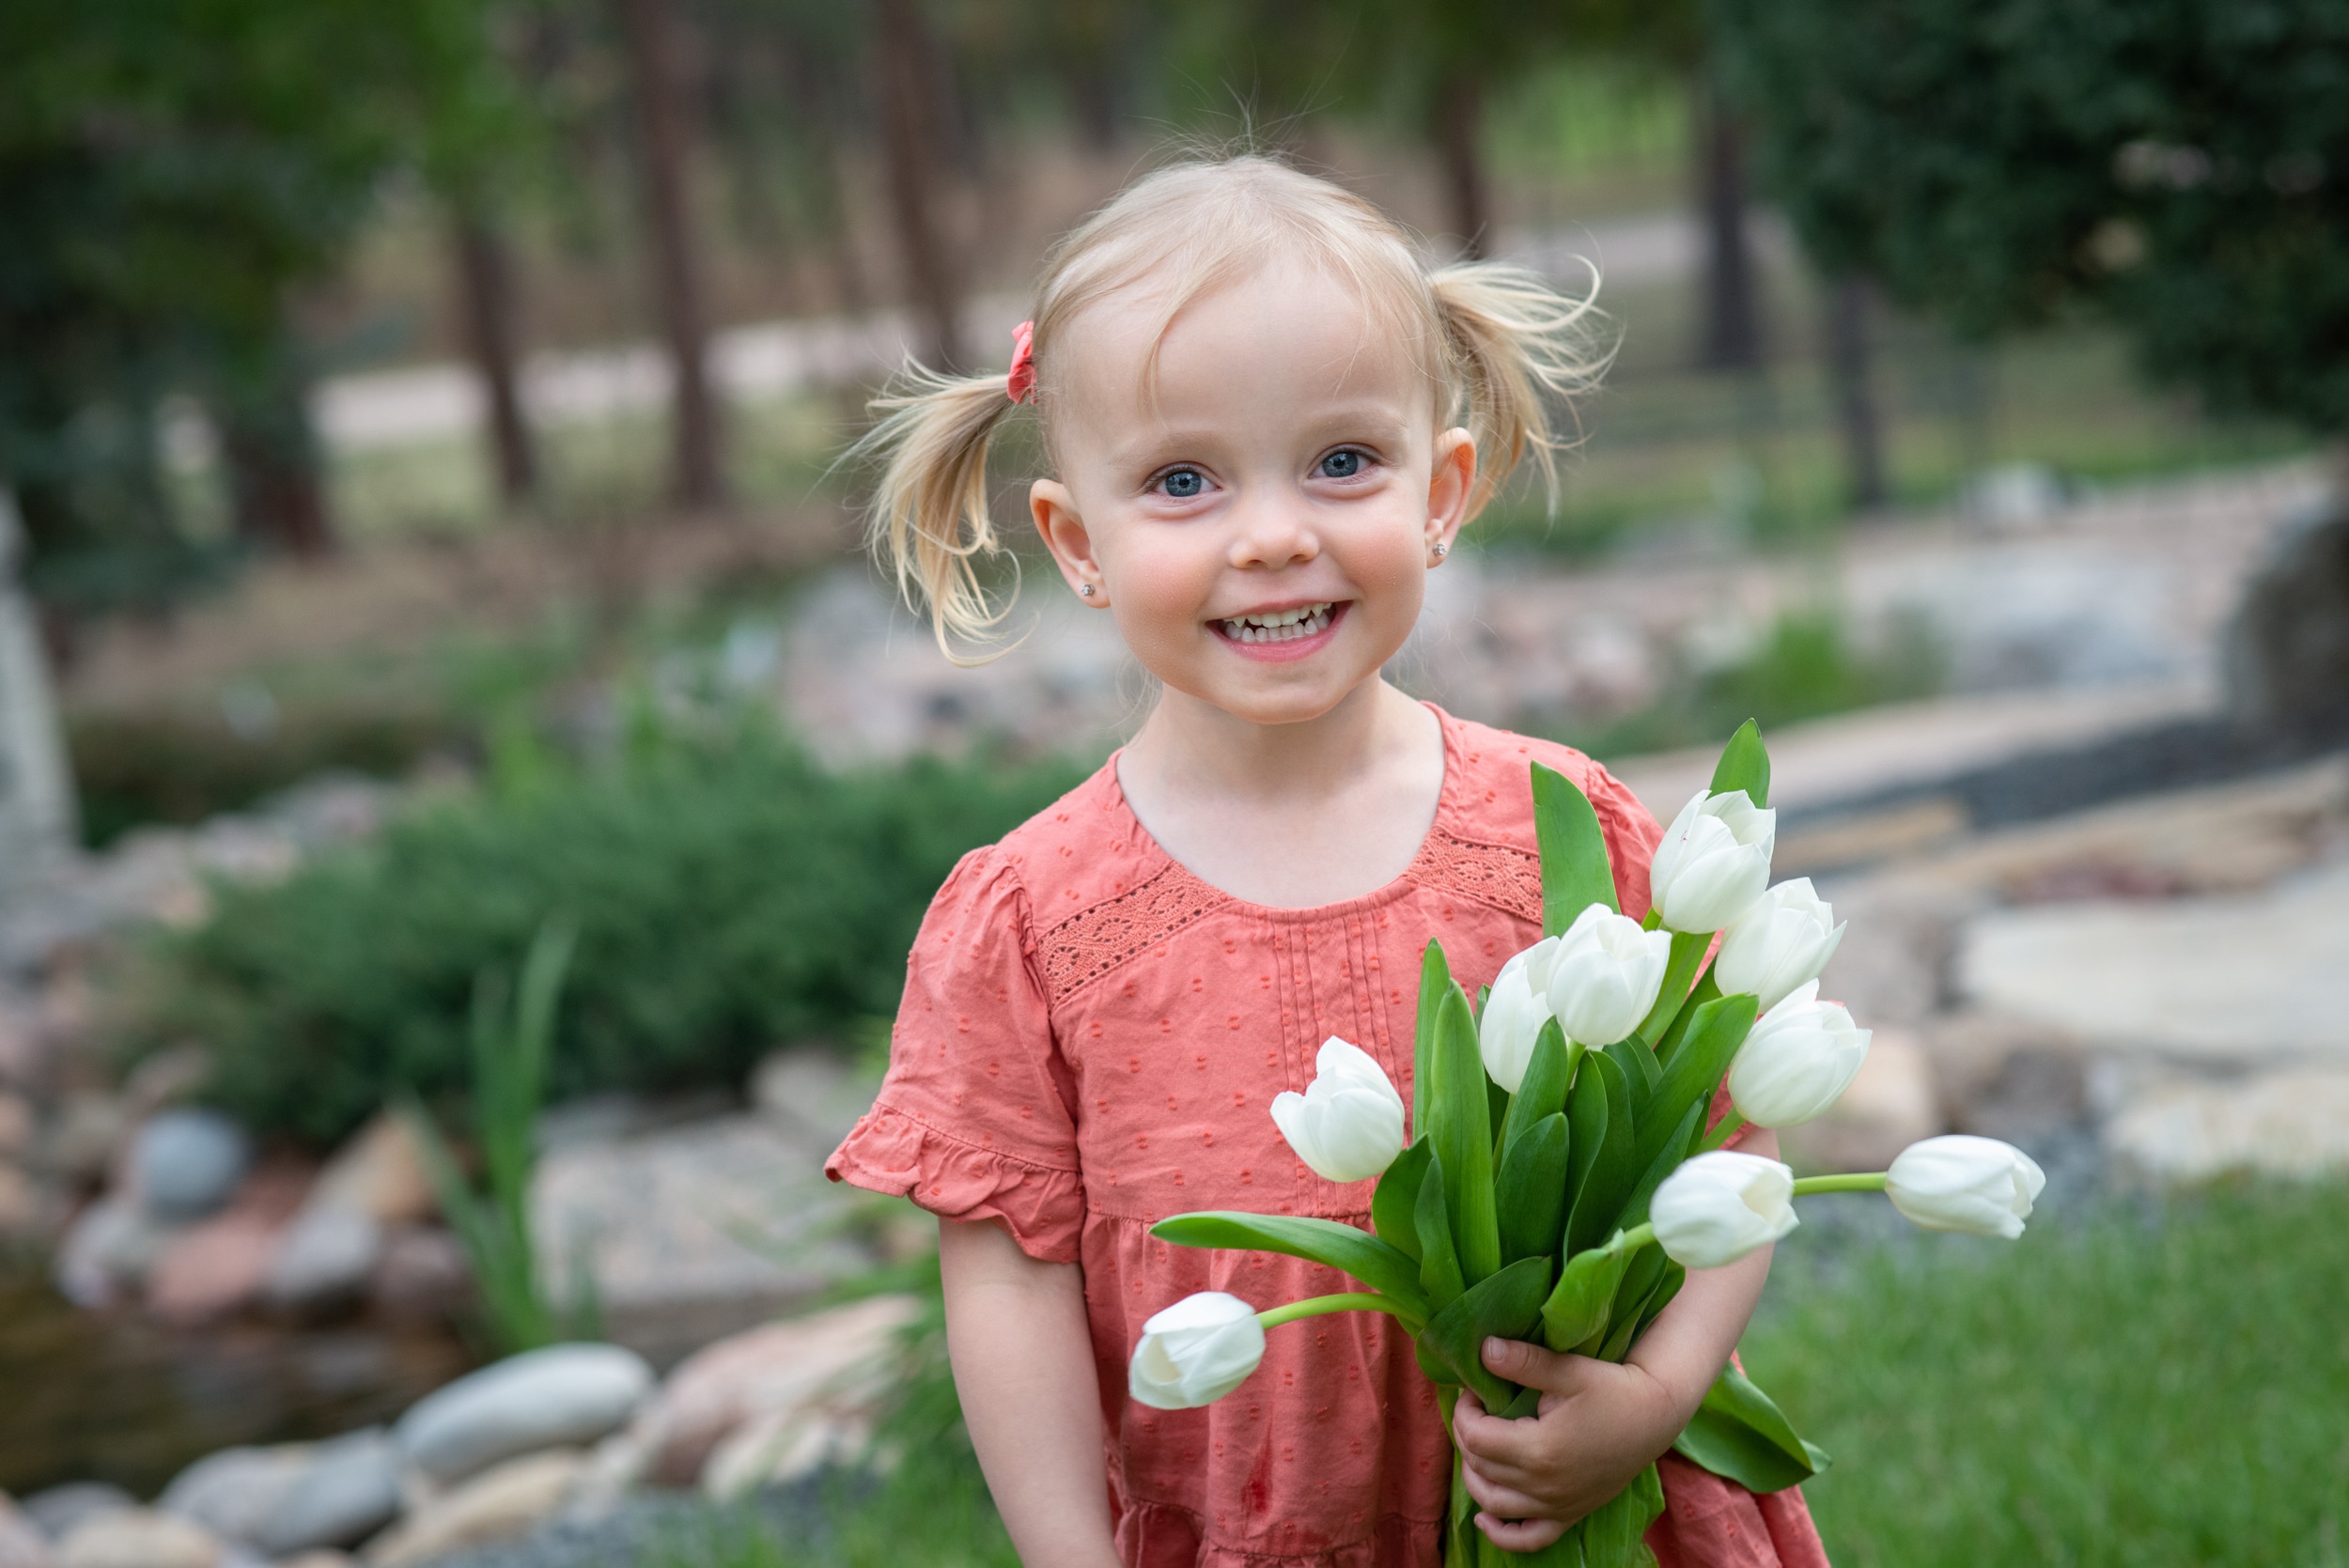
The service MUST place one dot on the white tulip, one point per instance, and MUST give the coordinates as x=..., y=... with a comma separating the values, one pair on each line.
x=1783, y=938
x=1515, y=1013
x=1605, y=975
x=1797, y=1060
x=1714, y=862
x=1195, y=1352
x=1720, y=1206
x=1348, y=1122
x=1959, y=1183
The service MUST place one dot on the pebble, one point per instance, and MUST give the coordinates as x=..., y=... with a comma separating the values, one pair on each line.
x=292, y=1497
x=423, y=1273
x=564, y=1394
x=106, y=1254
x=83, y=1132
x=380, y=1173
x=21, y=1544
x=186, y=1162
x=57, y=1511
x=140, y=1539
x=325, y=1260
x=499, y=1503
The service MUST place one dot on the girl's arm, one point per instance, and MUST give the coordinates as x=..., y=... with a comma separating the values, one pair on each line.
x=1022, y=1354
x=1599, y=1425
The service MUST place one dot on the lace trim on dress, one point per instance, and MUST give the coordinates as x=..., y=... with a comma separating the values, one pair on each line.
x=1093, y=941
x=1499, y=875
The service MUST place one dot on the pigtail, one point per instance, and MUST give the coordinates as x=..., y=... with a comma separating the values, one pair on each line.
x=1520, y=352
x=929, y=522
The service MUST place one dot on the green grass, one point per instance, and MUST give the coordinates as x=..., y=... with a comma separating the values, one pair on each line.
x=2122, y=1392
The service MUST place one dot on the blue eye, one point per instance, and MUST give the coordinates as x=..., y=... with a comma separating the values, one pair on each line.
x=1183, y=484
x=1342, y=464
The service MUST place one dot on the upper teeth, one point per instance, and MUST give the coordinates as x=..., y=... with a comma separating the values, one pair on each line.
x=1278, y=624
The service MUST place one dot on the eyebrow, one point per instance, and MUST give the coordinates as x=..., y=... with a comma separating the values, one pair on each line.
x=1378, y=422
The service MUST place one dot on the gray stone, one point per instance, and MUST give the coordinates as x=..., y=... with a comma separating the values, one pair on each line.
x=423, y=1273
x=58, y=1511
x=292, y=1497
x=2288, y=649
x=325, y=1261
x=2218, y=979
x=497, y=1505
x=811, y=1090
x=21, y=1544
x=107, y=1252
x=84, y=1131
x=37, y=799
x=541, y=1399
x=186, y=1162
x=2186, y=1127
x=138, y=1539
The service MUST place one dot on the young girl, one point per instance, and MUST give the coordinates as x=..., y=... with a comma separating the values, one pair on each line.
x=1267, y=422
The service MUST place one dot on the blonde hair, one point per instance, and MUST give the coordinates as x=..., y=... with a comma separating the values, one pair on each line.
x=1497, y=344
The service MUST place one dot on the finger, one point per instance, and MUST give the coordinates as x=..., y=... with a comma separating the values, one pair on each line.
x=1491, y=1438
x=1504, y=1502
x=1538, y=1368
x=1520, y=1535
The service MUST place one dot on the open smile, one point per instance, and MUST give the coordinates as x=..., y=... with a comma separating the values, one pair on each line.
x=1290, y=632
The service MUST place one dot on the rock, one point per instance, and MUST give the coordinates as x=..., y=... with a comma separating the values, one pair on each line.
x=615, y=1468
x=380, y=1174
x=1890, y=1104
x=138, y=1539
x=21, y=1544
x=59, y=1510
x=168, y=1078
x=2182, y=1128
x=20, y=1206
x=777, y=1449
x=317, y=1559
x=107, y=1252
x=564, y=1394
x=423, y=1273
x=2288, y=649
x=186, y=1162
x=324, y=1263
x=292, y=1497
x=811, y=1089
x=2240, y=979
x=826, y=1360
x=84, y=1133
x=21, y=1058
x=221, y=1266
x=495, y=1505
x=16, y=1127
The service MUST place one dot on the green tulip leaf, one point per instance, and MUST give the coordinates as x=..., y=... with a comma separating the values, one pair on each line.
x=1574, y=870
x=1639, y=1280
x=1745, y=765
x=1542, y=1092
x=1394, y=1201
x=1503, y=1305
x=1713, y=1036
x=1439, y=1264
x=1323, y=1241
x=1675, y=1149
x=1435, y=980
x=1432, y=1364
x=1530, y=1192
x=1668, y=1049
x=1606, y=1170
x=1674, y=1277
x=1460, y=1129
x=1740, y=1433
x=1615, y=1535
x=1642, y=1072
x=1688, y=956
x=1564, y=1552
x=1577, y=1308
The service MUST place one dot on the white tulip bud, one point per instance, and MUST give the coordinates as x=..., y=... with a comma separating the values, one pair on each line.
x=1515, y=1013
x=1714, y=862
x=1720, y=1206
x=1348, y=1122
x=1605, y=976
x=1195, y=1352
x=1797, y=1060
x=1959, y=1183
x=1783, y=938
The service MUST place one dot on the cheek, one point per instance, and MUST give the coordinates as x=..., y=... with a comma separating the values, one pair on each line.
x=1159, y=580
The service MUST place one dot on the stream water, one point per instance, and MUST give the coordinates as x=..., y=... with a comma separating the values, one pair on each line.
x=88, y=1396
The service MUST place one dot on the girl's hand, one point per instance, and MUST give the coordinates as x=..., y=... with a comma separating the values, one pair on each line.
x=1599, y=1425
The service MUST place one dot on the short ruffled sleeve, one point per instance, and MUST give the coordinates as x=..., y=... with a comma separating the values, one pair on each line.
x=975, y=1120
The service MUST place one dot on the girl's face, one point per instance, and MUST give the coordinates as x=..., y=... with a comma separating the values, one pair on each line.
x=1260, y=516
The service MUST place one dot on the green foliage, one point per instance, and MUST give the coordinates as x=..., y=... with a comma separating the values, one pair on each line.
x=2148, y=1386
x=2172, y=164
x=509, y=1079
x=729, y=895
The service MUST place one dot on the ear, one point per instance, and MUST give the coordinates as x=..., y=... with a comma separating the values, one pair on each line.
x=1451, y=482
x=1064, y=534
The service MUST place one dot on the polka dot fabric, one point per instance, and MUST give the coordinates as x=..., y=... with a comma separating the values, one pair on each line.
x=1090, y=1041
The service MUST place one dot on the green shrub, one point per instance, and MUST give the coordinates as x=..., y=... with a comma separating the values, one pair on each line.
x=727, y=896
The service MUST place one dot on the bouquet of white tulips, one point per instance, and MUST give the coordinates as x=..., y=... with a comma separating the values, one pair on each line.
x=1559, y=1177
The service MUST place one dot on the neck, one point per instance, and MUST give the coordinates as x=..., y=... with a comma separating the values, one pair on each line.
x=1194, y=746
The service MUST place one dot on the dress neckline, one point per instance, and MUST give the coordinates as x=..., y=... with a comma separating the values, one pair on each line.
x=1446, y=804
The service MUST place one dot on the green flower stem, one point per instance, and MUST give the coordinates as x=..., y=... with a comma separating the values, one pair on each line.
x=1633, y=1239
x=1871, y=1182
x=1731, y=1125
x=1653, y=920
x=1348, y=1301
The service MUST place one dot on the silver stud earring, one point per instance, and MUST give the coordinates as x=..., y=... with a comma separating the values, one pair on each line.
x=1085, y=589
x=1441, y=549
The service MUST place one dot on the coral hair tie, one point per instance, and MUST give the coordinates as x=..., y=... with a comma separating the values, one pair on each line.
x=1020, y=383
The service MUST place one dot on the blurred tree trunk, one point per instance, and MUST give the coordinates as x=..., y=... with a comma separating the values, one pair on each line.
x=1732, y=316
x=1850, y=303
x=38, y=809
x=484, y=272
x=904, y=86
x=698, y=476
x=1459, y=132
x=277, y=479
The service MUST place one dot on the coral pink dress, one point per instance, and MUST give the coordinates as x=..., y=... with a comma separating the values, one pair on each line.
x=1090, y=1040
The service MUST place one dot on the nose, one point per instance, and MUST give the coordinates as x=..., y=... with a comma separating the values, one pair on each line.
x=1269, y=533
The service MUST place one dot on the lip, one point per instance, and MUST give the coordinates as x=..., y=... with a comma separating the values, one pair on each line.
x=1289, y=652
